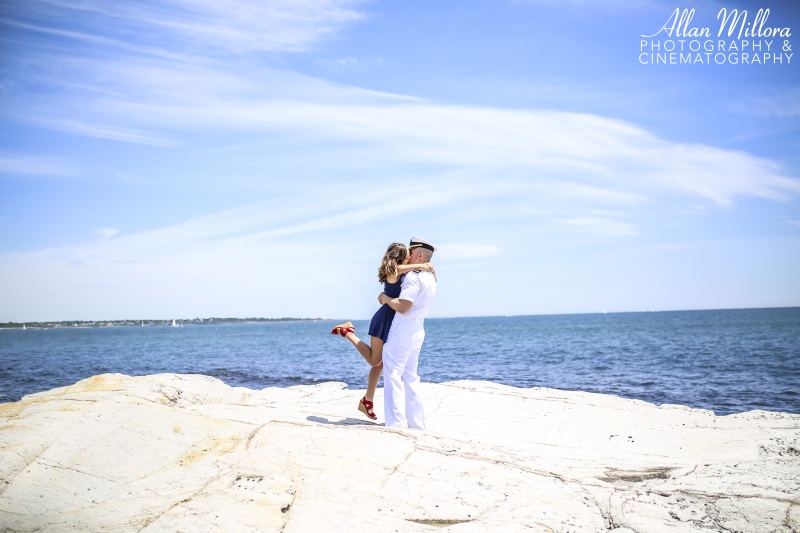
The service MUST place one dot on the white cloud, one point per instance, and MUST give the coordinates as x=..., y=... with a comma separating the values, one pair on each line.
x=35, y=166
x=352, y=64
x=116, y=133
x=234, y=25
x=586, y=154
x=107, y=233
x=92, y=38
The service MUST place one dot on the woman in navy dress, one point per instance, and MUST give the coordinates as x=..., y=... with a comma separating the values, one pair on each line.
x=394, y=266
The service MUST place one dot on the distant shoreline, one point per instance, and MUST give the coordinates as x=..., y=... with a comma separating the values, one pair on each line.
x=144, y=323
x=46, y=324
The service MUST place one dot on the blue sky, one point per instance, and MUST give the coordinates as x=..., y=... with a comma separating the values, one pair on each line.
x=179, y=158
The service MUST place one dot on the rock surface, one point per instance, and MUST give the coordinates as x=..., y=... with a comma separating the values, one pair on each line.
x=189, y=453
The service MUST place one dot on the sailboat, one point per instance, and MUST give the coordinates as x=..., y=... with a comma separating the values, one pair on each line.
x=23, y=326
x=174, y=324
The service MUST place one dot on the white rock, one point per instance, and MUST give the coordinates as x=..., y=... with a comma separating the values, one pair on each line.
x=188, y=453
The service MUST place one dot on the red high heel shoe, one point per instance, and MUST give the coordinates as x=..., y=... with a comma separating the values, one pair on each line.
x=365, y=406
x=343, y=329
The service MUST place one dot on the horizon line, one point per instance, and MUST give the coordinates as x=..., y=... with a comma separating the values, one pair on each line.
x=319, y=319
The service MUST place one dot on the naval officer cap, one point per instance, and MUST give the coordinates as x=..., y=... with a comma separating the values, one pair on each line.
x=418, y=242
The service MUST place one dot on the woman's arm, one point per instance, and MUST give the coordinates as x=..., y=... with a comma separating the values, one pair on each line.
x=404, y=269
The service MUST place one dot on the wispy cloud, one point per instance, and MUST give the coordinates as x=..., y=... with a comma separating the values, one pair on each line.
x=107, y=233
x=321, y=211
x=585, y=154
x=30, y=165
x=589, y=152
x=234, y=25
x=92, y=38
x=352, y=64
x=116, y=133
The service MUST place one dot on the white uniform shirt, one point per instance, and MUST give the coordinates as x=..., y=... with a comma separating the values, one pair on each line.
x=419, y=288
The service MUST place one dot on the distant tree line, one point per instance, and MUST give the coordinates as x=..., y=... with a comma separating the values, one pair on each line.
x=144, y=323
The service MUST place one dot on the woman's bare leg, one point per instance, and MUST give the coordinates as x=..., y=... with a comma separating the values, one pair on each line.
x=372, y=381
x=373, y=353
x=375, y=371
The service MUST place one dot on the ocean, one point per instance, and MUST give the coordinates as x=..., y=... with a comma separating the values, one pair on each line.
x=728, y=361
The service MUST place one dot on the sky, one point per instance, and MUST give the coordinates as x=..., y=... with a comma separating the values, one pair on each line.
x=242, y=158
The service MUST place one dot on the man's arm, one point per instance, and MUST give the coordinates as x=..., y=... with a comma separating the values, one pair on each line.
x=408, y=292
x=401, y=306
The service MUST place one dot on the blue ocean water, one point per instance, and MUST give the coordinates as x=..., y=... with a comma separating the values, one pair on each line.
x=727, y=361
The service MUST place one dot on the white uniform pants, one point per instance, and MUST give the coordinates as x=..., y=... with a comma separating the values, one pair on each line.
x=401, y=384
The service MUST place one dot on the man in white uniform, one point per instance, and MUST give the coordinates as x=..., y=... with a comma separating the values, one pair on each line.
x=401, y=384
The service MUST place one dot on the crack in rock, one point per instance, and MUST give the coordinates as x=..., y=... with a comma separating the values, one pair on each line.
x=613, y=475
x=439, y=522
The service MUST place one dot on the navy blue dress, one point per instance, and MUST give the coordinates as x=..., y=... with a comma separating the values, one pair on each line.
x=382, y=319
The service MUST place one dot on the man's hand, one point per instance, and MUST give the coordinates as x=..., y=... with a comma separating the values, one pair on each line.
x=401, y=306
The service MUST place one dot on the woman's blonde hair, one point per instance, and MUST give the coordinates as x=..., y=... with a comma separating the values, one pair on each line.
x=396, y=254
